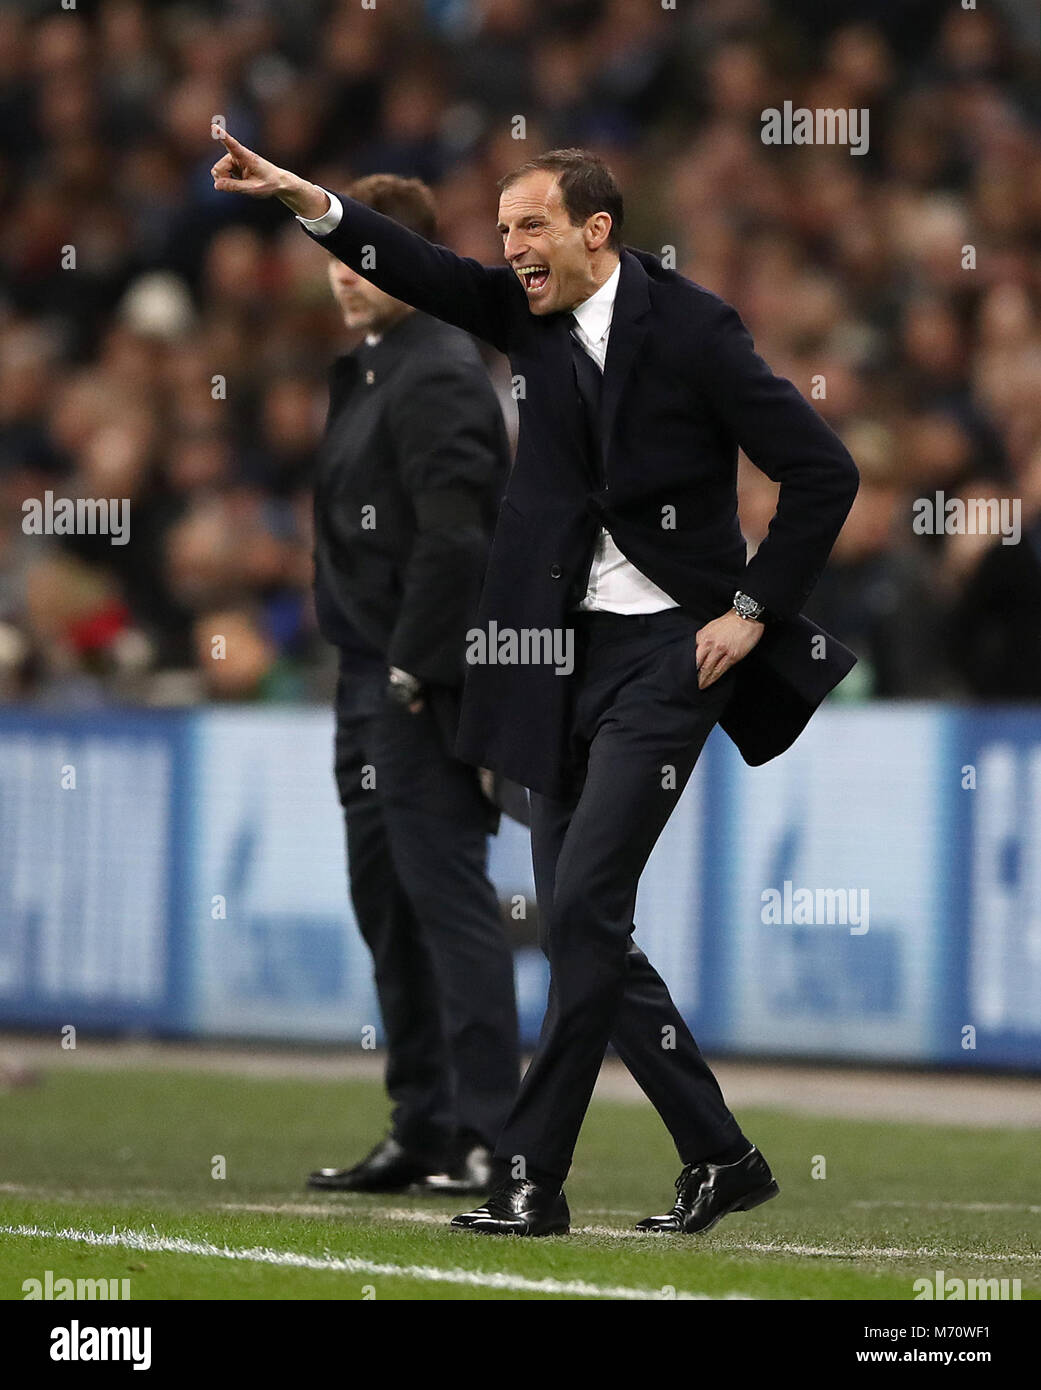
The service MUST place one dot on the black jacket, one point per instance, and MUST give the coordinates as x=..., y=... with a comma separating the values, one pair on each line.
x=410, y=473
x=683, y=389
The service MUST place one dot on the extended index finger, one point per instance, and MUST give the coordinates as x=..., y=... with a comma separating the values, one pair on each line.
x=228, y=141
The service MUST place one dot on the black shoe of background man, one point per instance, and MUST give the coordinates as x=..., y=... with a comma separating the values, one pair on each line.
x=519, y=1207
x=706, y=1192
x=388, y=1168
x=470, y=1175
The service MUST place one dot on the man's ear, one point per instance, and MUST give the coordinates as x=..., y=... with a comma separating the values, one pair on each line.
x=598, y=229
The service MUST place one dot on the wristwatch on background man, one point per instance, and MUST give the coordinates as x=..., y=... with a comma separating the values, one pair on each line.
x=402, y=688
x=747, y=607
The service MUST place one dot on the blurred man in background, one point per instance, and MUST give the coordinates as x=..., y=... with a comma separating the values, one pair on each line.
x=410, y=472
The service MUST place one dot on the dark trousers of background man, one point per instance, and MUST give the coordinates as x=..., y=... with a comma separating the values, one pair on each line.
x=417, y=853
x=638, y=724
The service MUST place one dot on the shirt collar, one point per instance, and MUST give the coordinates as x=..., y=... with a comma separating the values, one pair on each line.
x=594, y=314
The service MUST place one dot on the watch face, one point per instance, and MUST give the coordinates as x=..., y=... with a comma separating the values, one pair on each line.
x=748, y=607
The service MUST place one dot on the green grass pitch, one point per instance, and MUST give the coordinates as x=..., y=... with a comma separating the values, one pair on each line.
x=110, y=1175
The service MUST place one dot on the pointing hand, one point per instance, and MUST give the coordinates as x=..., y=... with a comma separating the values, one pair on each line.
x=239, y=170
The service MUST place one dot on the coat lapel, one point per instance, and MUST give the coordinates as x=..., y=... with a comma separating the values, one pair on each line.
x=629, y=325
x=555, y=341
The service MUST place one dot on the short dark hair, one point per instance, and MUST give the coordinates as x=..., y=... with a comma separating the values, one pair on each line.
x=587, y=185
x=408, y=201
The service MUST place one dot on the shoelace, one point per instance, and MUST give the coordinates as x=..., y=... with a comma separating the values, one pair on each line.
x=688, y=1172
x=498, y=1190
x=684, y=1177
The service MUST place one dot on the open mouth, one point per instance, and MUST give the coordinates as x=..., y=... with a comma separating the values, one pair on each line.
x=533, y=277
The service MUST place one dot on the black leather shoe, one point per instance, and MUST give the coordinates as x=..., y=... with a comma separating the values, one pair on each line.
x=388, y=1168
x=518, y=1207
x=706, y=1192
x=470, y=1176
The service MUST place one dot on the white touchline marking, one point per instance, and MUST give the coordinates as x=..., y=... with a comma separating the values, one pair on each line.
x=612, y=1231
x=868, y=1252
x=175, y=1245
x=433, y=1218
x=437, y=1218
x=292, y=1208
x=955, y=1206
x=421, y=1218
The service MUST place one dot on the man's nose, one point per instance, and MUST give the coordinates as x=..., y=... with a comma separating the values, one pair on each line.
x=514, y=247
x=348, y=277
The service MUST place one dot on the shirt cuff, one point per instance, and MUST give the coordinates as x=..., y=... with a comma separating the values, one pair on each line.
x=329, y=220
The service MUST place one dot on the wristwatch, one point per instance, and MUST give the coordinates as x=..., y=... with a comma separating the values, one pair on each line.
x=402, y=688
x=747, y=607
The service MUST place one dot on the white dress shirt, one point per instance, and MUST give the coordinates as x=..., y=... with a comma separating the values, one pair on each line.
x=615, y=584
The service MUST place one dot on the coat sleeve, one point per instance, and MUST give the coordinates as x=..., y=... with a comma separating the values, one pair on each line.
x=455, y=289
x=450, y=447
x=786, y=438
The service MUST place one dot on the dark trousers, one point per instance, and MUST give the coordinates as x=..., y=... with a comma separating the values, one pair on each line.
x=417, y=839
x=638, y=724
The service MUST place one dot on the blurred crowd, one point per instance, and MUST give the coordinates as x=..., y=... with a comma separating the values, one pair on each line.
x=166, y=344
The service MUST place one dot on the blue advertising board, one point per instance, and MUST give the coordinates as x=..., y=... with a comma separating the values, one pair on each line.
x=874, y=894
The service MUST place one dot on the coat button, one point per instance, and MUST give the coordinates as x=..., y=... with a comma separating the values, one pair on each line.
x=555, y=571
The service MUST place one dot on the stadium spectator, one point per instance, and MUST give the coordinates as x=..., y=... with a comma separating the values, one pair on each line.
x=847, y=268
